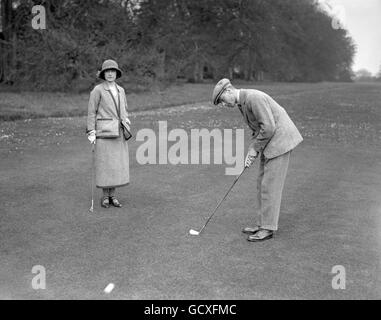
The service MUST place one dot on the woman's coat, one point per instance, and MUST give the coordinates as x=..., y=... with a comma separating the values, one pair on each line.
x=111, y=155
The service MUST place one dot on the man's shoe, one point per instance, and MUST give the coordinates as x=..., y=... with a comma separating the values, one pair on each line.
x=114, y=201
x=261, y=235
x=250, y=231
x=105, y=202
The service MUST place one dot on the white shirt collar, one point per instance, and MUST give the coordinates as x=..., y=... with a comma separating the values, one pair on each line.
x=238, y=94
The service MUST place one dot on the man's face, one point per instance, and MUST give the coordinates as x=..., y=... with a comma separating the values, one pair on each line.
x=227, y=99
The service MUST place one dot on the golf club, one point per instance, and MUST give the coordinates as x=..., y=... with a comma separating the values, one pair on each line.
x=92, y=179
x=193, y=232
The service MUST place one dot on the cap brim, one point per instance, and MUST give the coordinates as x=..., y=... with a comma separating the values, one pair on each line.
x=216, y=100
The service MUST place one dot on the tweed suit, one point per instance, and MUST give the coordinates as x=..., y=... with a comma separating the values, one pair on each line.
x=274, y=136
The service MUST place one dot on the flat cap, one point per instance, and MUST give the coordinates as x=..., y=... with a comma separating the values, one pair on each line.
x=219, y=89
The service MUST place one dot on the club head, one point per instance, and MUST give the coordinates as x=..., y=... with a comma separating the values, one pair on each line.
x=92, y=207
x=193, y=232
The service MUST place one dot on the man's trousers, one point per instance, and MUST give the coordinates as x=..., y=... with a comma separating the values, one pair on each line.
x=271, y=178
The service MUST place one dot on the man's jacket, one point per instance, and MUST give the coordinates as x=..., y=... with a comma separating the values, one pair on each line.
x=274, y=133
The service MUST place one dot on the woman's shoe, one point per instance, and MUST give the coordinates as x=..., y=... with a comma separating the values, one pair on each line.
x=105, y=203
x=114, y=201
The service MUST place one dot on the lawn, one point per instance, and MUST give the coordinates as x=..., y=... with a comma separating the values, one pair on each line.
x=26, y=105
x=330, y=211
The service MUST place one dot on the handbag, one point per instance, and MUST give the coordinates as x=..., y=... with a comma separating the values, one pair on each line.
x=107, y=128
x=126, y=130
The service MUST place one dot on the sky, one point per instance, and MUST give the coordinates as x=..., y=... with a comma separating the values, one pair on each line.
x=362, y=18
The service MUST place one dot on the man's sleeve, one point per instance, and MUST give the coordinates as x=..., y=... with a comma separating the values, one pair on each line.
x=262, y=112
x=92, y=110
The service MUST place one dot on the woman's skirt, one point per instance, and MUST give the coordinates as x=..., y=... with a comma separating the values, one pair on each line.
x=112, y=167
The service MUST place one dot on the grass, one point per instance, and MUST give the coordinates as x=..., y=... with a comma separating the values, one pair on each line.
x=25, y=105
x=330, y=209
x=30, y=105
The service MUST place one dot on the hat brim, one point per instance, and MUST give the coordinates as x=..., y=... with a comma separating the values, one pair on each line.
x=102, y=73
x=217, y=98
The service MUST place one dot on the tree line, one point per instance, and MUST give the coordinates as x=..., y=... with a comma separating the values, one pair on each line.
x=164, y=40
x=365, y=75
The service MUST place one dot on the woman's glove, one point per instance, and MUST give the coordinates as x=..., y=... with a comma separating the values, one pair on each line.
x=92, y=137
x=128, y=122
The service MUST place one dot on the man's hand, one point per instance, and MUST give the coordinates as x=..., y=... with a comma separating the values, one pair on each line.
x=250, y=158
x=128, y=121
x=92, y=137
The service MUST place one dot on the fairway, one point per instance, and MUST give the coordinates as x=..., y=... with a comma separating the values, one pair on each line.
x=330, y=215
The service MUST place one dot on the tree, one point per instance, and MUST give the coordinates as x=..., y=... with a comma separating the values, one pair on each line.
x=6, y=40
x=80, y=35
x=379, y=74
x=162, y=40
x=364, y=75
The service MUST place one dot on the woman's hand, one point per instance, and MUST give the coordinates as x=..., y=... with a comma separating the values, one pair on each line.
x=128, y=124
x=92, y=137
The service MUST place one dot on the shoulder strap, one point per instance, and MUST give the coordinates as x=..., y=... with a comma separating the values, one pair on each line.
x=116, y=105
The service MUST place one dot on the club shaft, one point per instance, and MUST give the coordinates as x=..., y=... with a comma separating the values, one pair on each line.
x=219, y=204
x=92, y=176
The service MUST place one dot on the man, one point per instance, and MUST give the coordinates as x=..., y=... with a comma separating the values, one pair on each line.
x=274, y=136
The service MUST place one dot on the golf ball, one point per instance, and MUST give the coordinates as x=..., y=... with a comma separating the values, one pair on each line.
x=109, y=288
x=193, y=232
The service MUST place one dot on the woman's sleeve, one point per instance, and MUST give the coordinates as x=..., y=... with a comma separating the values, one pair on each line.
x=92, y=110
x=126, y=105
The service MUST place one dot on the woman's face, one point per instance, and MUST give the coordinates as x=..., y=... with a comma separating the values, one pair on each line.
x=110, y=75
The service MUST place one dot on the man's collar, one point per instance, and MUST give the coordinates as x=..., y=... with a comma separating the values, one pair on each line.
x=238, y=97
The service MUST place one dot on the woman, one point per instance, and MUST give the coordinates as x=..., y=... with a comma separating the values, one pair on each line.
x=107, y=108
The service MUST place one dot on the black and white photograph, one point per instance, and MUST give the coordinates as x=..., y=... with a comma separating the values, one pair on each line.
x=200, y=151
